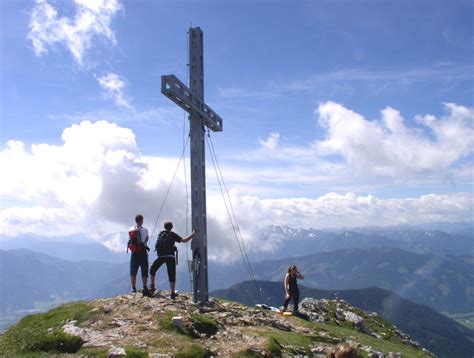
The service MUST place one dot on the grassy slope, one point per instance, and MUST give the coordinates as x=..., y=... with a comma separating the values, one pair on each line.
x=40, y=335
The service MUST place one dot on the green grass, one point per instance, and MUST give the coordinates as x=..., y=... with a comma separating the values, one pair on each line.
x=274, y=347
x=133, y=352
x=42, y=332
x=101, y=352
x=248, y=353
x=93, y=352
x=279, y=340
x=194, y=351
x=166, y=323
x=391, y=345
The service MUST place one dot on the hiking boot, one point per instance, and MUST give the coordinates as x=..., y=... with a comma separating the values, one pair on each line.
x=134, y=290
x=146, y=292
x=173, y=295
x=152, y=290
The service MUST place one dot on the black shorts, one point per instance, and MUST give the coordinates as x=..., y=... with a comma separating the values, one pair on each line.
x=139, y=259
x=170, y=266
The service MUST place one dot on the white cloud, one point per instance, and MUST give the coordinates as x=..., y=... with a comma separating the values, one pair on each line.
x=271, y=142
x=389, y=148
x=94, y=183
x=92, y=19
x=337, y=210
x=114, y=86
x=65, y=180
x=97, y=180
x=361, y=155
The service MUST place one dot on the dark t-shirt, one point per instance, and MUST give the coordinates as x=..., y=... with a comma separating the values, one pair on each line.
x=175, y=237
x=168, y=247
x=293, y=283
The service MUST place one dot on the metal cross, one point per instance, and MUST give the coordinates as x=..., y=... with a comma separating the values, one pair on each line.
x=200, y=116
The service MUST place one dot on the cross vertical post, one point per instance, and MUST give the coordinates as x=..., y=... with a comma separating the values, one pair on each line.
x=200, y=116
x=198, y=169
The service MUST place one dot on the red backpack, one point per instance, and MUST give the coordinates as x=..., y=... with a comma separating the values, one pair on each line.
x=135, y=243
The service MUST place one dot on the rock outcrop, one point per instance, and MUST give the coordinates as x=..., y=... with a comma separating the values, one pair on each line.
x=161, y=326
x=134, y=325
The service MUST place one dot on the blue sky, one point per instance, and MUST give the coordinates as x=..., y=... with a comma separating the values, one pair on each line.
x=336, y=113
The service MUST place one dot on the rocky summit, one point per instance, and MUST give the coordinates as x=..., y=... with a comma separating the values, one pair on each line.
x=138, y=326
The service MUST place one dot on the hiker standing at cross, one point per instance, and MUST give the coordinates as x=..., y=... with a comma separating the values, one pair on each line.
x=200, y=116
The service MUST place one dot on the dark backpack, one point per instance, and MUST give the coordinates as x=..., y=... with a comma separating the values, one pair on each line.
x=165, y=244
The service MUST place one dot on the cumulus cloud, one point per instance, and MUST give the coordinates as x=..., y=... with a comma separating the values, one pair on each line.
x=94, y=183
x=361, y=155
x=337, y=210
x=388, y=147
x=96, y=180
x=114, y=86
x=92, y=19
x=67, y=182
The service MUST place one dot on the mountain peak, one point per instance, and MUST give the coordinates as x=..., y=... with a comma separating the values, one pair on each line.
x=144, y=326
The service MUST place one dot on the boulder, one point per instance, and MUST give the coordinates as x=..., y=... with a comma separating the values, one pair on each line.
x=116, y=352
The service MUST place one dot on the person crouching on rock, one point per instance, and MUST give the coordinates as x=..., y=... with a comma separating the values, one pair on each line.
x=166, y=249
x=291, y=288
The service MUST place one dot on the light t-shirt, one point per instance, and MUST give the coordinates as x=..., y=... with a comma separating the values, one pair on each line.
x=143, y=233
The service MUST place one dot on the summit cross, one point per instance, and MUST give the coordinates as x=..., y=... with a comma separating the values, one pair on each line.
x=200, y=116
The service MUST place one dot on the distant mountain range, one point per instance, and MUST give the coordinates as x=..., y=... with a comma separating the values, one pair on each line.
x=423, y=278
x=275, y=242
x=420, y=263
x=35, y=280
x=281, y=241
x=435, y=331
x=444, y=283
x=70, y=248
x=29, y=278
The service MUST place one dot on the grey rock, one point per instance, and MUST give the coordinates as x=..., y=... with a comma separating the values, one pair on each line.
x=178, y=323
x=116, y=352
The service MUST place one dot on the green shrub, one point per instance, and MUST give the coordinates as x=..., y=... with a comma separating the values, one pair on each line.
x=135, y=353
x=53, y=341
x=204, y=324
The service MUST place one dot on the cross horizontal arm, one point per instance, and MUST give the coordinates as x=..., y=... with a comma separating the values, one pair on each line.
x=177, y=91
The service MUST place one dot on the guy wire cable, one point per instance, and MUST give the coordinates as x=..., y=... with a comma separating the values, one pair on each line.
x=235, y=227
x=232, y=217
x=169, y=188
x=234, y=223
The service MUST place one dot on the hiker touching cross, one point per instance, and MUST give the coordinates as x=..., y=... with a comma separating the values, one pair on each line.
x=167, y=254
